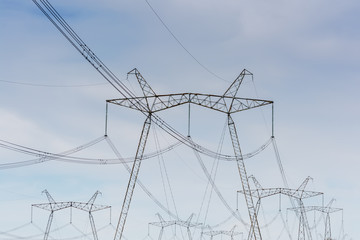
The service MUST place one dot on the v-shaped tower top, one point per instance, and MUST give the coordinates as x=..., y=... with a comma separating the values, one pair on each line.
x=234, y=87
x=227, y=103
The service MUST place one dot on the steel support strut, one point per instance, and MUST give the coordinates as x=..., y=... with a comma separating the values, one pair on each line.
x=303, y=223
x=133, y=178
x=257, y=207
x=47, y=231
x=327, y=227
x=255, y=233
x=93, y=228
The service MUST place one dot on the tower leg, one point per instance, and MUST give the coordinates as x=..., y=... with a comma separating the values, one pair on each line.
x=303, y=223
x=327, y=227
x=133, y=178
x=257, y=207
x=47, y=231
x=189, y=233
x=92, y=222
x=244, y=180
x=161, y=233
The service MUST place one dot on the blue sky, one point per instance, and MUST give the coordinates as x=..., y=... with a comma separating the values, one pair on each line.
x=304, y=57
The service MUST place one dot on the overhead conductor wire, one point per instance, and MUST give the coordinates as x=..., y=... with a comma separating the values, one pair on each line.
x=180, y=43
x=53, y=85
x=161, y=160
x=90, y=56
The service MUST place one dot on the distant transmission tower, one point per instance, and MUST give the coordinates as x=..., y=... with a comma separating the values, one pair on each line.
x=299, y=194
x=230, y=233
x=54, y=206
x=163, y=224
x=326, y=210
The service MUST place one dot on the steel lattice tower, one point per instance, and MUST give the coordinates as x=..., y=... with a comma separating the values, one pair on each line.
x=299, y=194
x=227, y=103
x=54, y=206
x=325, y=210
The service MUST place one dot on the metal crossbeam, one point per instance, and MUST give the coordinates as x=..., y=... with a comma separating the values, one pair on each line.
x=214, y=102
x=266, y=192
x=78, y=205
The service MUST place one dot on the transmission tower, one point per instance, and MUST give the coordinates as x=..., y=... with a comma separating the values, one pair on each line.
x=163, y=224
x=227, y=103
x=325, y=210
x=230, y=233
x=299, y=194
x=151, y=103
x=54, y=206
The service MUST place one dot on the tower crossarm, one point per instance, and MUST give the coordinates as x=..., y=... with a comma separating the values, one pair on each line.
x=179, y=223
x=299, y=194
x=163, y=224
x=228, y=233
x=317, y=208
x=267, y=192
x=63, y=205
x=89, y=208
x=214, y=102
x=53, y=206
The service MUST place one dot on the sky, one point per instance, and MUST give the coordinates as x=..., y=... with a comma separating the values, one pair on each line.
x=304, y=56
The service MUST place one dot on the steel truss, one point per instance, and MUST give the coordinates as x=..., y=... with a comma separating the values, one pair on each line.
x=54, y=206
x=163, y=224
x=299, y=194
x=227, y=103
x=230, y=233
x=326, y=210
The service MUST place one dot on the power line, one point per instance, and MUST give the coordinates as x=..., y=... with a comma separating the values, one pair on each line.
x=182, y=45
x=53, y=85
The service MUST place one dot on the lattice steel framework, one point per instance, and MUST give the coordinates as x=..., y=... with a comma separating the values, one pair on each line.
x=299, y=194
x=227, y=103
x=187, y=224
x=326, y=210
x=54, y=206
x=230, y=233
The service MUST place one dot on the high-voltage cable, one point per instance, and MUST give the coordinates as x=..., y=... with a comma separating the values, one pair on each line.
x=47, y=156
x=64, y=157
x=216, y=189
x=213, y=174
x=182, y=45
x=43, y=156
x=165, y=177
x=152, y=197
x=136, y=103
x=90, y=56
